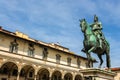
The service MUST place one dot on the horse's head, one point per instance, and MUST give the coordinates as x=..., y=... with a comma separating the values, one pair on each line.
x=83, y=25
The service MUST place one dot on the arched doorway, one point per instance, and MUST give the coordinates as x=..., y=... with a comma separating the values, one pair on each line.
x=68, y=76
x=56, y=75
x=8, y=71
x=27, y=73
x=78, y=77
x=43, y=74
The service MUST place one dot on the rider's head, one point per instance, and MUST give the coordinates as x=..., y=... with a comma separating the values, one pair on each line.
x=95, y=18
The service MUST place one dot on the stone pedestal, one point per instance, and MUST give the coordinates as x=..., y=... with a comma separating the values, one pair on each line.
x=97, y=74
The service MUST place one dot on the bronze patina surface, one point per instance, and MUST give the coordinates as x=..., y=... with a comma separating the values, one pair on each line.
x=94, y=41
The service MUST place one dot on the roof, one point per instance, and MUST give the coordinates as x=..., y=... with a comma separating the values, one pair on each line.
x=50, y=45
x=115, y=69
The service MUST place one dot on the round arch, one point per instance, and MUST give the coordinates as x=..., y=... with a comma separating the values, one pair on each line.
x=78, y=77
x=43, y=74
x=27, y=72
x=56, y=75
x=7, y=61
x=44, y=67
x=9, y=70
x=68, y=76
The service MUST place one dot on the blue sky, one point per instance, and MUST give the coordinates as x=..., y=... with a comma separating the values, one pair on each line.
x=58, y=21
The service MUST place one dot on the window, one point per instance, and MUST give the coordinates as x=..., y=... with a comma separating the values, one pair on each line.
x=4, y=79
x=55, y=77
x=69, y=61
x=58, y=58
x=31, y=49
x=15, y=71
x=44, y=76
x=78, y=62
x=5, y=70
x=45, y=53
x=87, y=78
x=22, y=73
x=13, y=46
x=30, y=74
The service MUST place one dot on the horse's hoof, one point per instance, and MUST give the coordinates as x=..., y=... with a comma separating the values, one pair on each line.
x=109, y=70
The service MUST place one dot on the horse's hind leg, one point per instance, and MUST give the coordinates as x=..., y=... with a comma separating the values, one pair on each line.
x=101, y=60
x=89, y=59
x=108, y=60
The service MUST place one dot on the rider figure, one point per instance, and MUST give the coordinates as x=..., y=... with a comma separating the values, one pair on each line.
x=96, y=28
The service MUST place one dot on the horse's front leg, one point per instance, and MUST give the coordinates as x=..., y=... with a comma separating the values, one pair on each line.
x=89, y=59
x=91, y=49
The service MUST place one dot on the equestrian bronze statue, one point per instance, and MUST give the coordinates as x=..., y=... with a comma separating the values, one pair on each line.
x=94, y=41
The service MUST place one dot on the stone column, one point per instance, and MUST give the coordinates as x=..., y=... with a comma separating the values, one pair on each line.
x=19, y=70
x=18, y=75
x=49, y=78
x=50, y=75
x=62, y=79
x=82, y=77
x=63, y=73
x=35, y=77
x=73, y=76
x=9, y=76
x=1, y=63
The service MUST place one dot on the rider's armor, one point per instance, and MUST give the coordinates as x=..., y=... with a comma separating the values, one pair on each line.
x=96, y=28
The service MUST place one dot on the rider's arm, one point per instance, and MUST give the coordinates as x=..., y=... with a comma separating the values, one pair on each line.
x=100, y=25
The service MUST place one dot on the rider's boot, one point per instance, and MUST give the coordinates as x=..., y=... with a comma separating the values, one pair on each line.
x=100, y=41
x=83, y=50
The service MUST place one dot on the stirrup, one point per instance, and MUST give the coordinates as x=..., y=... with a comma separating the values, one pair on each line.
x=100, y=47
x=83, y=50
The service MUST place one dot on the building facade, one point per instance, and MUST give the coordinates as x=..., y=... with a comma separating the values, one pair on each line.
x=24, y=58
x=117, y=71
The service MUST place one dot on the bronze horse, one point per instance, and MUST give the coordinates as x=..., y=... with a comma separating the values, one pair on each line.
x=91, y=44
